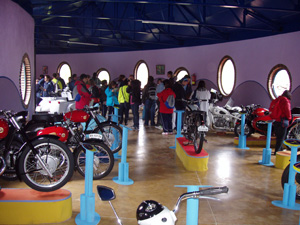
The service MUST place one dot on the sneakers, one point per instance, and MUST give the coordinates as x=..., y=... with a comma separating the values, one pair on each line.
x=159, y=127
x=170, y=133
x=164, y=133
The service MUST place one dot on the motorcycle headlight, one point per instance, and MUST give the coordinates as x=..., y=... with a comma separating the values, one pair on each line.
x=148, y=209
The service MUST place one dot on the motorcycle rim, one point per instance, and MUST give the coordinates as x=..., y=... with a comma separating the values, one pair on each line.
x=58, y=159
x=103, y=161
x=294, y=132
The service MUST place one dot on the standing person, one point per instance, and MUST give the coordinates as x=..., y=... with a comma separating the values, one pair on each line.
x=111, y=98
x=95, y=91
x=171, y=78
x=57, y=84
x=165, y=112
x=159, y=88
x=280, y=109
x=149, y=100
x=48, y=86
x=188, y=88
x=96, y=79
x=85, y=95
x=39, y=89
x=203, y=95
x=72, y=82
x=103, y=98
x=135, y=100
x=122, y=80
x=123, y=99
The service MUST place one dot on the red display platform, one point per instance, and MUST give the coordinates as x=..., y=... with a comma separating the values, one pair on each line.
x=189, y=158
x=256, y=141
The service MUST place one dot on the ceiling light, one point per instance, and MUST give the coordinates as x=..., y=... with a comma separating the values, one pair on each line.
x=171, y=23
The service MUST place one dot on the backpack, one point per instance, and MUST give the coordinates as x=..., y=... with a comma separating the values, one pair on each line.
x=170, y=102
x=152, y=93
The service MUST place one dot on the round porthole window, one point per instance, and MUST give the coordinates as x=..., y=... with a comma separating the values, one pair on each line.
x=226, y=76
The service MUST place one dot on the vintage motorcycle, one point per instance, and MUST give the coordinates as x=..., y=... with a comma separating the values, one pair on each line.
x=256, y=121
x=222, y=118
x=151, y=212
x=44, y=163
x=70, y=132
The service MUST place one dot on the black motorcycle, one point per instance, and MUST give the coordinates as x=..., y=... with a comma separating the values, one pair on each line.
x=44, y=163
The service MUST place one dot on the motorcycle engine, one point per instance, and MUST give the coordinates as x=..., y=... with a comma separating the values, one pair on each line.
x=221, y=122
x=77, y=130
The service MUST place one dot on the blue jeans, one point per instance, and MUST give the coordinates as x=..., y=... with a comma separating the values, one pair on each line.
x=149, y=112
x=135, y=112
x=166, y=120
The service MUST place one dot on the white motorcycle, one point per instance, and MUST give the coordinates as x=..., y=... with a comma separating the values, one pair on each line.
x=150, y=212
x=222, y=118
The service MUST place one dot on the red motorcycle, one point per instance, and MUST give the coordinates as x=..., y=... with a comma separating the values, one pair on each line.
x=70, y=131
x=256, y=121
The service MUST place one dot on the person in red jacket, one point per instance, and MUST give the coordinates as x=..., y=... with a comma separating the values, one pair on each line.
x=165, y=112
x=280, y=109
x=85, y=95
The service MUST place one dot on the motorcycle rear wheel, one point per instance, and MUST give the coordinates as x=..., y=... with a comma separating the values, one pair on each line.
x=294, y=131
x=112, y=135
x=248, y=130
x=103, y=160
x=285, y=178
x=58, y=159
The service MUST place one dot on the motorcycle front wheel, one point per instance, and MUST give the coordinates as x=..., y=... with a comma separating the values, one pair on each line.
x=285, y=178
x=58, y=160
x=112, y=135
x=294, y=131
x=248, y=130
x=103, y=162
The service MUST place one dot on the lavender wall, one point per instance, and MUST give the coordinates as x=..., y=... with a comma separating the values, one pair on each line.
x=17, y=38
x=253, y=59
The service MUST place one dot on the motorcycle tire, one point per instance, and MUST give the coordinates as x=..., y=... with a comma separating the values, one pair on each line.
x=285, y=178
x=293, y=131
x=248, y=130
x=103, y=160
x=198, y=142
x=58, y=159
x=112, y=135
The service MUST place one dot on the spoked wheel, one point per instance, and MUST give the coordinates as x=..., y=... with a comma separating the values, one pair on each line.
x=55, y=156
x=112, y=135
x=247, y=130
x=198, y=141
x=199, y=135
x=285, y=179
x=294, y=132
x=188, y=122
x=103, y=160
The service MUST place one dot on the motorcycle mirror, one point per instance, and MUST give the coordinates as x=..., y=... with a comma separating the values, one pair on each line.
x=105, y=193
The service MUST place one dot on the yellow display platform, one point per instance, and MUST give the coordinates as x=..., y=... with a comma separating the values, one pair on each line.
x=191, y=161
x=27, y=206
x=283, y=159
x=256, y=141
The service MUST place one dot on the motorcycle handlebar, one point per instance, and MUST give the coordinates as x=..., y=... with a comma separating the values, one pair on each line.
x=200, y=194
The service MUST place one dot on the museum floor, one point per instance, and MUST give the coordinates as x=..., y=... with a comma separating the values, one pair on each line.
x=155, y=170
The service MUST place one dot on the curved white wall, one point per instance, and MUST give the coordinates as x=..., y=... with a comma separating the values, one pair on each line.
x=17, y=38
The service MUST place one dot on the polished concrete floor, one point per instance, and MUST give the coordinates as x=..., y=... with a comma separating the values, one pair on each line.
x=155, y=170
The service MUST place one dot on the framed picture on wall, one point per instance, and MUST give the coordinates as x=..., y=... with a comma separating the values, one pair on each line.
x=45, y=69
x=160, y=69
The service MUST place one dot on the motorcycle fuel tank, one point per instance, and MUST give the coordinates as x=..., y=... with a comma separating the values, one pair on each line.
x=61, y=132
x=260, y=111
x=77, y=116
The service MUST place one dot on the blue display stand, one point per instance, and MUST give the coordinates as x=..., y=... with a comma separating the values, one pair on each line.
x=178, y=126
x=87, y=213
x=115, y=118
x=266, y=155
x=289, y=192
x=242, y=136
x=123, y=172
x=192, y=205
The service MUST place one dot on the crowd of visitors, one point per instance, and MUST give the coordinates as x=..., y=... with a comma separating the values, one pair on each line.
x=126, y=94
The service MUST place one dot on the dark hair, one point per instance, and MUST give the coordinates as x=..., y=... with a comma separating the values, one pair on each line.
x=54, y=75
x=111, y=84
x=150, y=79
x=287, y=94
x=201, y=84
x=187, y=77
x=95, y=75
x=42, y=76
x=82, y=76
x=121, y=77
x=104, y=82
x=74, y=75
x=48, y=77
x=167, y=83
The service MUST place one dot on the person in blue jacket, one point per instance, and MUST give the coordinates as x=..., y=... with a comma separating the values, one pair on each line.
x=111, y=97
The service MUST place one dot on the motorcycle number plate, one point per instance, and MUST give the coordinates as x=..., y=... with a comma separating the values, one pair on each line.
x=95, y=136
x=203, y=128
